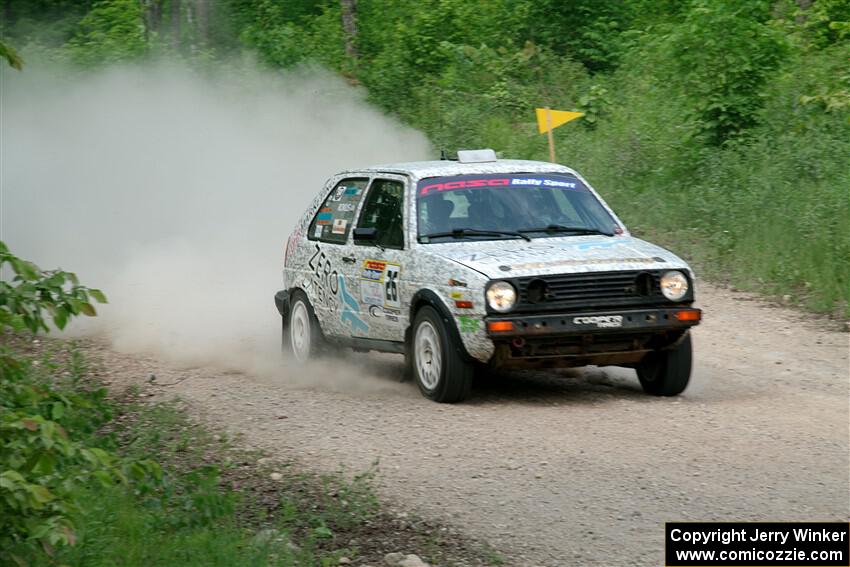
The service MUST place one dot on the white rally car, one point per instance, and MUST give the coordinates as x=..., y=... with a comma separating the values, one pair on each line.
x=483, y=261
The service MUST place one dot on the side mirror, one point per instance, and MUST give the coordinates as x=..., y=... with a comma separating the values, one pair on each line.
x=366, y=234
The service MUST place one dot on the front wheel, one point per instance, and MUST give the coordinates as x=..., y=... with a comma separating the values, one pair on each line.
x=301, y=336
x=667, y=372
x=439, y=368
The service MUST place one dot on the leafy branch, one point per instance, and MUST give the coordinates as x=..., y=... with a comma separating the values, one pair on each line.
x=33, y=293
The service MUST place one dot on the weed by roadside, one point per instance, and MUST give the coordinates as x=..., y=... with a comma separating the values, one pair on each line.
x=217, y=503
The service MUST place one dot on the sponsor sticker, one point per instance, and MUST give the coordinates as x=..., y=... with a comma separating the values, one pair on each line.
x=389, y=314
x=392, y=315
x=553, y=181
x=601, y=321
x=372, y=293
x=392, y=295
x=469, y=324
x=339, y=226
x=554, y=263
x=373, y=270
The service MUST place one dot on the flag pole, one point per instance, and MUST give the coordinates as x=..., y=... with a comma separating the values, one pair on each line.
x=549, y=133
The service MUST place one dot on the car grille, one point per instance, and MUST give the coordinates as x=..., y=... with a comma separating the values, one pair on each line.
x=577, y=292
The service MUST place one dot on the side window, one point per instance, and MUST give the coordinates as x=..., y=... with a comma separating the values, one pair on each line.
x=336, y=215
x=383, y=211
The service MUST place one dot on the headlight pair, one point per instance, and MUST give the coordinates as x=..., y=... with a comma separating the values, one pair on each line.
x=501, y=295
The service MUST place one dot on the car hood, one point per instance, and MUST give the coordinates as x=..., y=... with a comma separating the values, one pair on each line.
x=574, y=254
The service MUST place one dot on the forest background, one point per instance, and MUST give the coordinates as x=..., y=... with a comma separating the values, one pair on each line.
x=720, y=128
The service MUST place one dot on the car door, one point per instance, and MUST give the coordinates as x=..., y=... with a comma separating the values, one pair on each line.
x=329, y=236
x=375, y=268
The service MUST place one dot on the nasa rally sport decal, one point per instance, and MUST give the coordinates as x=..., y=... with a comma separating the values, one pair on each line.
x=601, y=321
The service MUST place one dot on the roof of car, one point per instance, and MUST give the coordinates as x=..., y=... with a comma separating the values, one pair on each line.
x=442, y=168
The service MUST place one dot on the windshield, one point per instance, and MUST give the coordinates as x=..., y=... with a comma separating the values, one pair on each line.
x=497, y=206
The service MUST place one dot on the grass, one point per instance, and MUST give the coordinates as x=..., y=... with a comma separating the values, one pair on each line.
x=218, y=503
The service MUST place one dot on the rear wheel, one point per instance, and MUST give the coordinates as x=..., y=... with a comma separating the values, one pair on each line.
x=301, y=335
x=439, y=368
x=667, y=372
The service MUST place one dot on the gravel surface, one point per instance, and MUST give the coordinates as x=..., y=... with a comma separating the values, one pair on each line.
x=573, y=467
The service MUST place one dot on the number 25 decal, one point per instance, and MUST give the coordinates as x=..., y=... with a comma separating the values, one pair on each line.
x=391, y=294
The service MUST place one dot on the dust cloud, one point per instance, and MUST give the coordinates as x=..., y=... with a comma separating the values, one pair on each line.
x=174, y=190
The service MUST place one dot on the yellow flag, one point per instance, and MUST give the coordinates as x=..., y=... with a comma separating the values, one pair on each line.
x=556, y=118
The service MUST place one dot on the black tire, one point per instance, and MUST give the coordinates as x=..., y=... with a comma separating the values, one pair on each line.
x=667, y=372
x=452, y=381
x=303, y=318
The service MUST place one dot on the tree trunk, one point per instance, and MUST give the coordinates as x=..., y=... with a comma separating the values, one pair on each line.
x=349, y=26
x=152, y=16
x=202, y=12
x=175, y=24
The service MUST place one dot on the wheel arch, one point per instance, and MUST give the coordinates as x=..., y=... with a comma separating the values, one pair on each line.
x=429, y=297
x=284, y=297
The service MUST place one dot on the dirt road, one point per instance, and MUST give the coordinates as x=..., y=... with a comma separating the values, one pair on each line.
x=577, y=468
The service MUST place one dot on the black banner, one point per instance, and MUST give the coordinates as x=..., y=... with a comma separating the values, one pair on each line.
x=757, y=544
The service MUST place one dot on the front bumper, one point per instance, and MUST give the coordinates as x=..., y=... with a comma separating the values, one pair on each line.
x=578, y=339
x=653, y=319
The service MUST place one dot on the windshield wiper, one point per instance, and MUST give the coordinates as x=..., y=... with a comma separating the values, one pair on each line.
x=464, y=232
x=552, y=228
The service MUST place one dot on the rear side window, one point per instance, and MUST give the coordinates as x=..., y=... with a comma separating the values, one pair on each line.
x=336, y=215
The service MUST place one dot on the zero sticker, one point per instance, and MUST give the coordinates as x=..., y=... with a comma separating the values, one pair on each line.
x=323, y=280
x=391, y=292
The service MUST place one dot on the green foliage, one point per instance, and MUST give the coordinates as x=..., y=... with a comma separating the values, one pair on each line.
x=767, y=213
x=824, y=22
x=32, y=292
x=281, y=42
x=594, y=104
x=11, y=56
x=677, y=96
x=722, y=55
x=48, y=457
x=45, y=458
x=111, y=31
x=588, y=31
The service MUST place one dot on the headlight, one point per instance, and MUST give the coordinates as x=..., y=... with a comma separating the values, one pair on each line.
x=501, y=296
x=674, y=285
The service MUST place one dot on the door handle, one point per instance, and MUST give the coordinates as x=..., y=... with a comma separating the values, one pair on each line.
x=349, y=259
